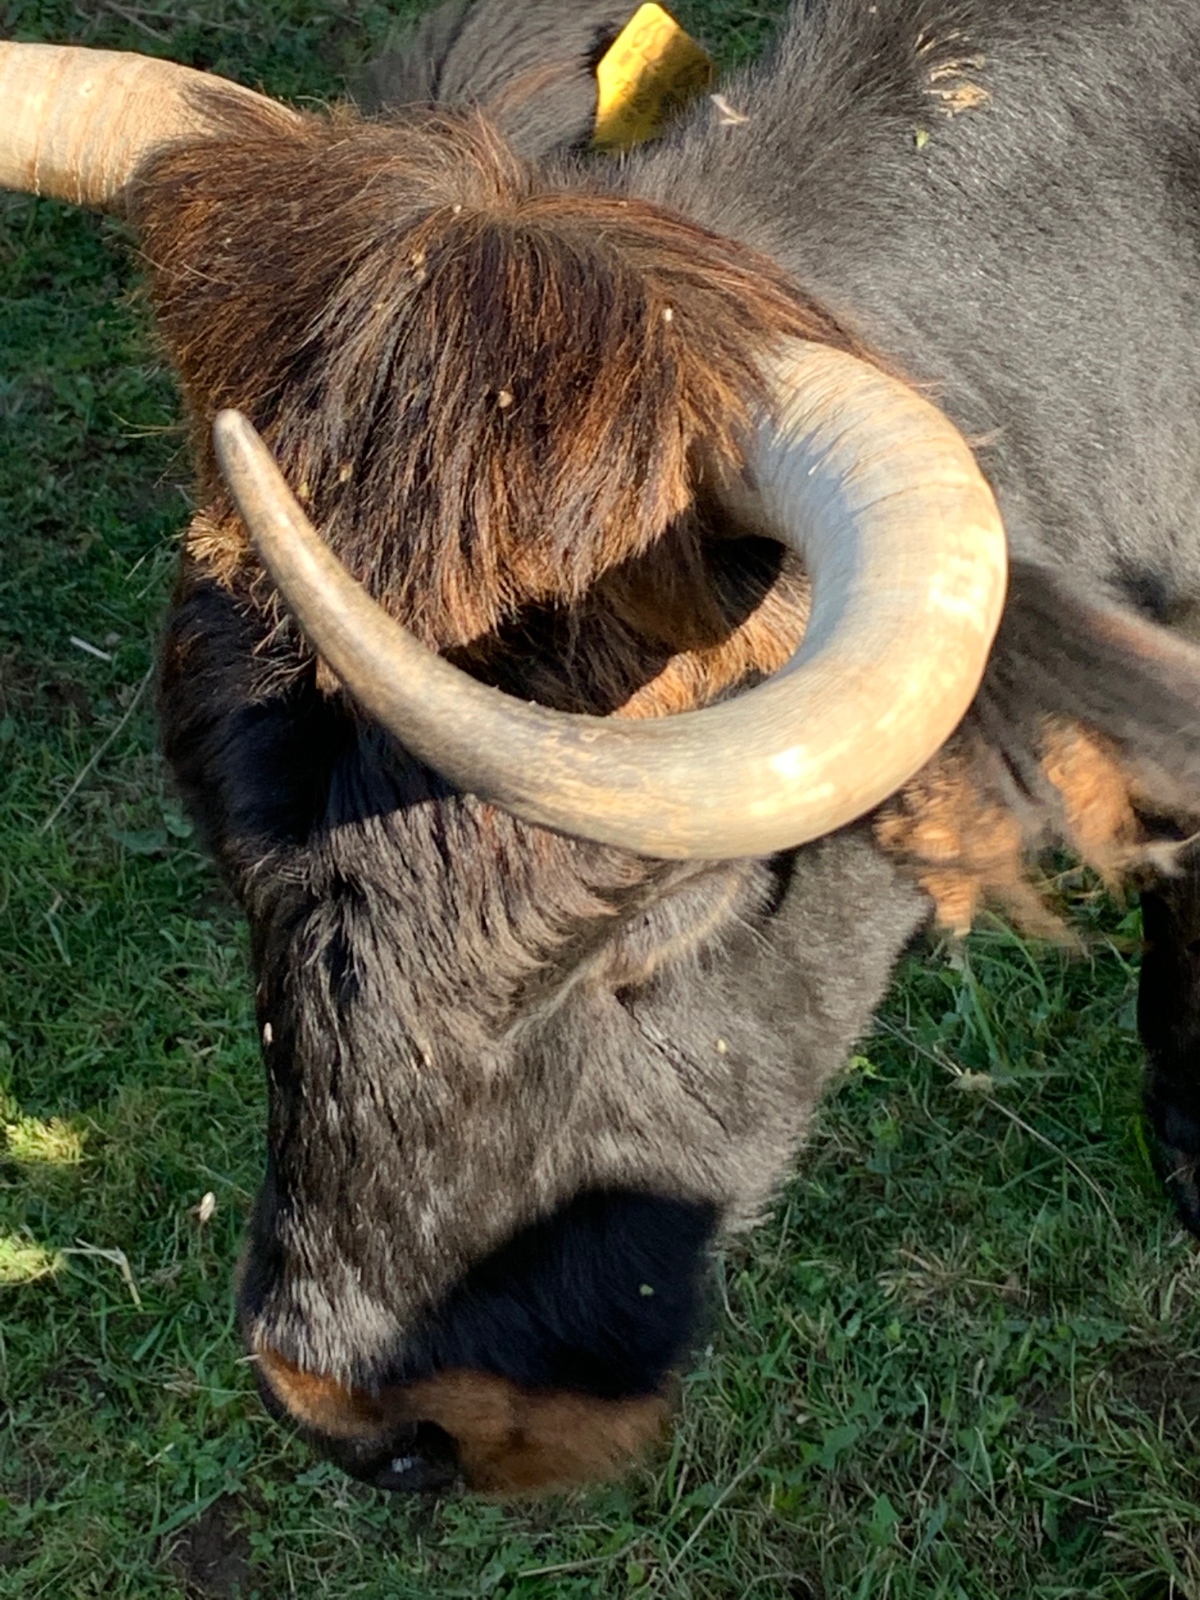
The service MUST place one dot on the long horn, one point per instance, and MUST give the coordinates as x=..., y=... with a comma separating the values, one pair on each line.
x=77, y=124
x=904, y=544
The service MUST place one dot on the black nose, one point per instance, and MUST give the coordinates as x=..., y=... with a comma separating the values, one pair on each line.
x=427, y=1465
x=418, y=1460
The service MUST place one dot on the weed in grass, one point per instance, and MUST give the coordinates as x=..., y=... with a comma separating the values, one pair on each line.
x=961, y=1361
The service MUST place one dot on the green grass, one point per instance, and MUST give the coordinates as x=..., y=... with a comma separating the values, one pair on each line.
x=960, y=1361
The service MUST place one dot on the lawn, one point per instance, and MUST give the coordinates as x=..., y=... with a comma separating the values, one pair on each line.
x=960, y=1361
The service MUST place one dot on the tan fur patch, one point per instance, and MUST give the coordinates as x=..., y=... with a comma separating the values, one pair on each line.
x=518, y=1441
x=951, y=80
x=702, y=668
x=219, y=549
x=964, y=846
x=509, y=1440
x=955, y=92
x=323, y=1404
x=1096, y=797
x=968, y=847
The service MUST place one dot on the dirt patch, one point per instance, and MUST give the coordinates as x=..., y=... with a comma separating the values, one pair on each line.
x=72, y=1382
x=32, y=1476
x=1157, y=1587
x=212, y=1554
x=1158, y=1381
x=28, y=690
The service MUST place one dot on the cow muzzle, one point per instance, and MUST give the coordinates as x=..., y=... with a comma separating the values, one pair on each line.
x=465, y=1427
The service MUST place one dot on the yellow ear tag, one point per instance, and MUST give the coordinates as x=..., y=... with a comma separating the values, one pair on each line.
x=652, y=69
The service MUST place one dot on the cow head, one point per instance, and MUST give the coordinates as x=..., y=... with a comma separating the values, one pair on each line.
x=531, y=1008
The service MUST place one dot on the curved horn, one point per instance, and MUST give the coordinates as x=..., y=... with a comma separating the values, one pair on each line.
x=903, y=541
x=77, y=123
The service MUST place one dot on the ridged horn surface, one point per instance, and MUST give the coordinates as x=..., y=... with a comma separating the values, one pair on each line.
x=76, y=124
x=881, y=497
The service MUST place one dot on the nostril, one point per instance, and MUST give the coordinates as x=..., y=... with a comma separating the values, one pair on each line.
x=427, y=1464
x=418, y=1459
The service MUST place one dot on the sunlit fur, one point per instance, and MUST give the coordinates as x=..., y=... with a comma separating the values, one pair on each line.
x=532, y=379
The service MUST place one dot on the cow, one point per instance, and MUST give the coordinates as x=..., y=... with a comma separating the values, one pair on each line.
x=627, y=603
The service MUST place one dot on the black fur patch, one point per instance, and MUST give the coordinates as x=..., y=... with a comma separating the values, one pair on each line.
x=602, y=1297
x=253, y=757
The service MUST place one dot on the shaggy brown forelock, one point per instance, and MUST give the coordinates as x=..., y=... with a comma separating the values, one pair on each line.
x=490, y=388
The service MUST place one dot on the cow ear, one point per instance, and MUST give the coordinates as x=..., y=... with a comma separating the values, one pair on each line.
x=1085, y=734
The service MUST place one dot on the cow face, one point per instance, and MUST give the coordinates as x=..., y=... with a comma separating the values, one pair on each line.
x=517, y=1083
x=514, y=1085
x=497, y=1168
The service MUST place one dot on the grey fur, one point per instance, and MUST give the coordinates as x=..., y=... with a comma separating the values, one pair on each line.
x=531, y=65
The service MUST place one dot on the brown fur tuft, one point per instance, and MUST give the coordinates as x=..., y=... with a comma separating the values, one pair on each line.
x=964, y=845
x=488, y=389
x=972, y=840
x=1097, y=798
